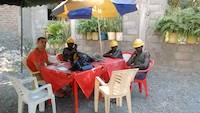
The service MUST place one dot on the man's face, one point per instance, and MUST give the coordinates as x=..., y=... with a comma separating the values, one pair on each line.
x=139, y=49
x=70, y=45
x=114, y=48
x=42, y=43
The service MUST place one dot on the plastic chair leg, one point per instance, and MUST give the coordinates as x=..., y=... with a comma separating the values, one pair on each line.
x=128, y=99
x=20, y=106
x=108, y=110
x=53, y=105
x=96, y=100
x=31, y=108
x=146, y=88
x=118, y=101
x=42, y=107
x=107, y=104
x=140, y=87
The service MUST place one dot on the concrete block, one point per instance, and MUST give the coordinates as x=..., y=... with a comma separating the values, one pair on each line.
x=183, y=56
x=154, y=2
x=155, y=8
x=185, y=48
x=184, y=64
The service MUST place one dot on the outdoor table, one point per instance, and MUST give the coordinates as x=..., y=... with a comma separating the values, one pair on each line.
x=58, y=76
x=111, y=64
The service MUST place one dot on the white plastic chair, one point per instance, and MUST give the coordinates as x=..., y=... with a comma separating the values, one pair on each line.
x=33, y=97
x=126, y=56
x=40, y=82
x=118, y=87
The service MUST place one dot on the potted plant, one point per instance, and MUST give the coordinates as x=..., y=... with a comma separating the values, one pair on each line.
x=180, y=26
x=169, y=28
x=83, y=27
x=94, y=28
x=110, y=28
x=190, y=18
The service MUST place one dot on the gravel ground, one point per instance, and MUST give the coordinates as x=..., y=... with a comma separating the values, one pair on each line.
x=170, y=92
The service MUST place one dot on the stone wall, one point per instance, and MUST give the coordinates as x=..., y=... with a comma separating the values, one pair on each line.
x=173, y=56
x=10, y=26
x=34, y=20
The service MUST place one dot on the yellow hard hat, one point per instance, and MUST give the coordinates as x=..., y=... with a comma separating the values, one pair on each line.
x=113, y=43
x=70, y=40
x=138, y=43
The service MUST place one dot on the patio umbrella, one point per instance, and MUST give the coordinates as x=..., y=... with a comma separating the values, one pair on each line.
x=100, y=9
x=64, y=7
x=26, y=3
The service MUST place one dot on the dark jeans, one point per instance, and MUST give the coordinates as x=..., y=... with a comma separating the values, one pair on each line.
x=140, y=76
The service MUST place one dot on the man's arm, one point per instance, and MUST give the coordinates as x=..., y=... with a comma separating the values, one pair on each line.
x=146, y=62
x=131, y=60
x=108, y=54
x=117, y=54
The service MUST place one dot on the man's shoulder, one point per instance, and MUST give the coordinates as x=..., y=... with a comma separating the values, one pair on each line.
x=146, y=52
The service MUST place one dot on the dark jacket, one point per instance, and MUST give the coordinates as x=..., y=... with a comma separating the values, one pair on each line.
x=114, y=54
x=140, y=61
x=68, y=54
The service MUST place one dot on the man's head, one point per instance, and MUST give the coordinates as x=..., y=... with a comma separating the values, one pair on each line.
x=138, y=45
x=41, y=42
x=113, y=44
x=70, y=42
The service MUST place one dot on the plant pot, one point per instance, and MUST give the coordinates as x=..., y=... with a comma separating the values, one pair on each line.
x=89, y=36
x=95, y=36
x=182, y=39
x=171, y=37
x=191, y=40
x=119, y=36
x=104, y=36
x=111, y=36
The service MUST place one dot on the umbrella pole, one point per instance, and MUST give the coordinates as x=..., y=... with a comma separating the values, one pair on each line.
x=100, y=42
x=21, y=45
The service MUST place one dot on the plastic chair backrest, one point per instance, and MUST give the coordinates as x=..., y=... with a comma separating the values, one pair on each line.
x=21, y=90
x=126, y=55
x=120, y=81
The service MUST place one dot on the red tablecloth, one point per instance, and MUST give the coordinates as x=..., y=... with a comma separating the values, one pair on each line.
x=85, y=79
x=111, y=64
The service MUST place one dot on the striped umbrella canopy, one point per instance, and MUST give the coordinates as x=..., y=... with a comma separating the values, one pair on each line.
x=97, y=8
x=77, y=9
x=65, y=7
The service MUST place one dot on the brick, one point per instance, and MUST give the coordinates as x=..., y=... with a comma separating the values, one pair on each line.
x=184, y=64
x=183, y=56
x=155, y=1
x=155, y=8
x=196, y=66
x=185, y=48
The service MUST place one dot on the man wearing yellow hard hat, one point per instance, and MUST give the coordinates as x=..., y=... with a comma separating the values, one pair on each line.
x=115, y=52
x=140, y=59
x=69, y=51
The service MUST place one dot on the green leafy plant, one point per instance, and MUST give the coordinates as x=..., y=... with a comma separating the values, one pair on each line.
x=58, y=32
x=106, y=25
x=184, y=22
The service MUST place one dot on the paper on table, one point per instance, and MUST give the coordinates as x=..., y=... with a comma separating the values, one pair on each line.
x=62, y=68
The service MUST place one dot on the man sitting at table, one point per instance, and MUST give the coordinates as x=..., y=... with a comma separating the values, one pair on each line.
x=140, y=59
x=115, y=52
x=69, y=51
x=38, y=57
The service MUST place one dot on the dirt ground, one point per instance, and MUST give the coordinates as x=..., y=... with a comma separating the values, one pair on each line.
x=169, y=92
